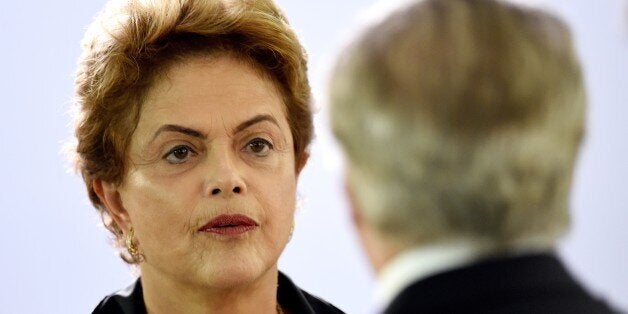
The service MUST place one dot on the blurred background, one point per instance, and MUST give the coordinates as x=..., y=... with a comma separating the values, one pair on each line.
x=52, y=245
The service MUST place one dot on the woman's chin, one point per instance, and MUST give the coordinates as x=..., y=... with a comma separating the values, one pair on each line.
x=232, y=275
x=235, y=277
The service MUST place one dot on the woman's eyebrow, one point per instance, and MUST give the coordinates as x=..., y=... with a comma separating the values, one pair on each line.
x=256, y=119
x=178, y=129
x=198, y=134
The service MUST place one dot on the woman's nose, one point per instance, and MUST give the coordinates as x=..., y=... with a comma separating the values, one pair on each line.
x=224, y=178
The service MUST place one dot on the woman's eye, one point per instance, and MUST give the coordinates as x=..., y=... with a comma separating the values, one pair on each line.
x=260, y=147
x=179, y=154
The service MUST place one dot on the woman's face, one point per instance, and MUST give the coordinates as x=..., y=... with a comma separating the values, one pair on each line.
x=211, y=187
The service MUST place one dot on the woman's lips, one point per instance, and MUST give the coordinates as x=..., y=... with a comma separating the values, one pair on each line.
x=229, y=225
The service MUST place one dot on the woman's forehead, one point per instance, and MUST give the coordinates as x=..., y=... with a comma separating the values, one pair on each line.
x=209, y=92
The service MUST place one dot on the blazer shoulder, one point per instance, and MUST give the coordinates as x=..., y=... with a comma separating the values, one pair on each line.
x=297, y=300
x=319, y=305
x=127, y=301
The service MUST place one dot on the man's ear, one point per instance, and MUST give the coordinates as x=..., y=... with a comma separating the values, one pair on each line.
x=305, y=156
x=375, y=248
x=356, y=213
x=110, y=198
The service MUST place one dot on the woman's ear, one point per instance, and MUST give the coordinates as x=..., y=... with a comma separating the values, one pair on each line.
x=305, y=155
x=110, y=198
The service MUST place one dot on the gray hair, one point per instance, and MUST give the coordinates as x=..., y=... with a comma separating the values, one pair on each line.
x=461, y=118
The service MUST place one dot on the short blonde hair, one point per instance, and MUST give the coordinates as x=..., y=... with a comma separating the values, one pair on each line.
x=131, y=43
x=461, y=119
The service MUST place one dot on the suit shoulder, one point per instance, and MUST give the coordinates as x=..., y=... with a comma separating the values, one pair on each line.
x=297, y=300
x=319, y=305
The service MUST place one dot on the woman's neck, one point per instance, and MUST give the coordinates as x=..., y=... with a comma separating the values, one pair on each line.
x=165, y=295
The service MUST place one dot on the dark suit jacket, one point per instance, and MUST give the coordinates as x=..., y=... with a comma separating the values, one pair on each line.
x=291, y=298
x=525, y=284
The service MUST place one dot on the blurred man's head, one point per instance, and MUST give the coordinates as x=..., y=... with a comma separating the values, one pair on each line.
x=460, y=119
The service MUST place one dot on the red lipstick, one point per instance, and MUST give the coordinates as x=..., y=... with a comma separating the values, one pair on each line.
x=229, y=225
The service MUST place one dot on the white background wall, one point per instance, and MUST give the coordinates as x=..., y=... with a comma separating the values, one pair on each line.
x=52, y=246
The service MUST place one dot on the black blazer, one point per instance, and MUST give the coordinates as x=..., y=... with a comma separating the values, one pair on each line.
x=291, y=298
x=526, y=284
